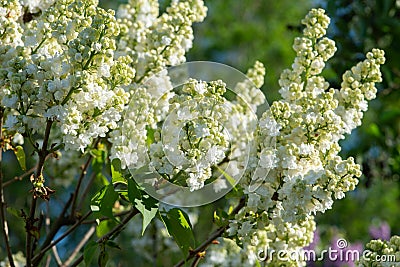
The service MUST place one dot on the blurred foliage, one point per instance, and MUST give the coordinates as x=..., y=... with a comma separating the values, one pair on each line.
x=238, y=33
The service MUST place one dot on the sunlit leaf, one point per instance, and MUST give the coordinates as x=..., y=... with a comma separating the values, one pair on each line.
x=20, y=154
x=104, y=200
x=178, y=225
x=146, y=205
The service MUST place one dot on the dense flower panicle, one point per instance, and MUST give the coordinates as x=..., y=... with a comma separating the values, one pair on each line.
x=248, y=90
x=66, y=72
x=11, y=31
x=381, y=253
x=155, y=42
x=265, y=243
x=36, y=6
x=192, y=128
x=358, y=88
x=304, y=171
x=316, y=22
x=143, y=112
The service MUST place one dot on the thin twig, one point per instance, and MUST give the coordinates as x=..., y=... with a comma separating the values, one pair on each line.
x=56, y=256
x=80, y=245
x=22, y=176
x=48, y=261
x=117, y=229
x=86, y=191
x=39, y=256
x=196, y=252
x=84, y=168
x=30, y=221
x=78, y=186
x=196, y=262
x=3, y=219
x=61, y=221
x=55, y=252
x=19, y=178
x=122, y=213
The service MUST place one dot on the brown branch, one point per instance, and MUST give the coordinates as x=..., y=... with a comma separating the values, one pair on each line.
x=78, y=186
x=79, y=246
x=55, y=252
x=3, y=219
x=117, y=229
x=84, y=168
x=122, y=213
x=56, y=256
x=196, y=253
x=22, y=176
x=30, y=221
x=61, y=221
x=36, y=260
x=29, y=225
x=196, y=262
x=86, y=191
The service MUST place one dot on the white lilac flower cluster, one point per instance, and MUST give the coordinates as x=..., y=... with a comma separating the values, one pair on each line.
x=249, y=94
x=74, y=63
x=277, y=237
x=303, y=173
x=65, y=72
x=381, y=253
x=11, y=31
x=156, y=41
x=191, y=129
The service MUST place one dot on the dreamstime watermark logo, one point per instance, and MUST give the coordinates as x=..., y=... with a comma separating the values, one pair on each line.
x=172, y=174
x=341, y=253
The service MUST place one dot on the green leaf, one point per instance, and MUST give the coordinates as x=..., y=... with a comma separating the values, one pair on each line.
x=112, y=244
x=98, y=162
x=20, y=154
x=104, y=200
x=103, y=258
x=104, y=227
x=116, y=172
x=89, y=251
x=14, y=212
x=178, y=225
x=373, y=130
x=133, y=191
x=145, y=204
x=221, y=217
x=229, y=178
x=150, y=136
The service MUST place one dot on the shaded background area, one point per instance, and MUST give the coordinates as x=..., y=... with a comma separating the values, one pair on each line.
x=238, y=33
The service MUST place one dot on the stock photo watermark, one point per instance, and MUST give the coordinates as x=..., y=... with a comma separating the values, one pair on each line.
x=341, y=252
